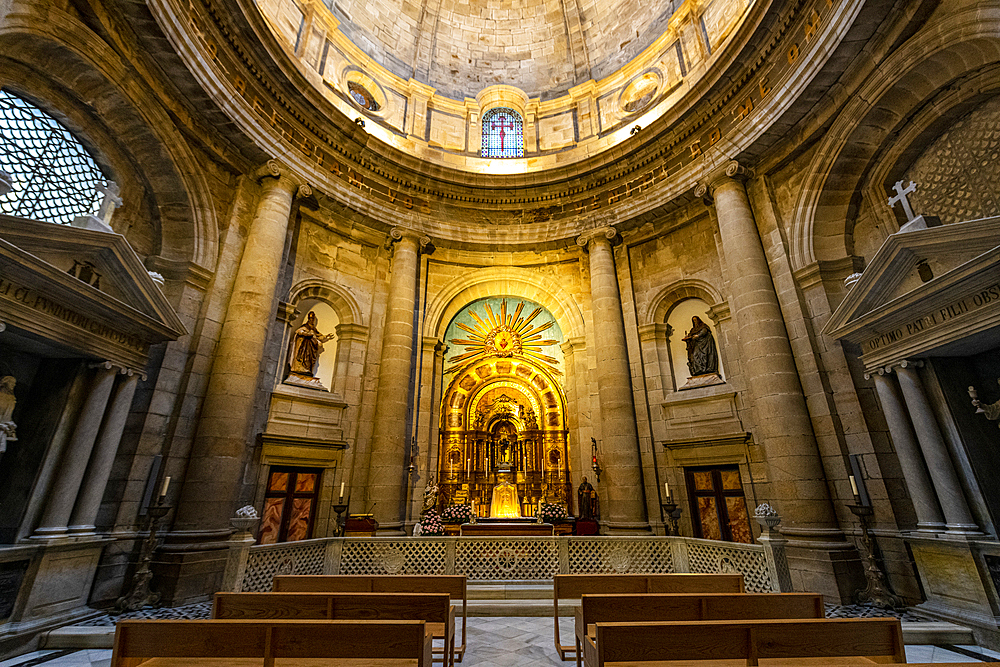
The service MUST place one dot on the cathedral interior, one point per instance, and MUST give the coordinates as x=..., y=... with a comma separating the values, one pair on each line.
x=620, y=268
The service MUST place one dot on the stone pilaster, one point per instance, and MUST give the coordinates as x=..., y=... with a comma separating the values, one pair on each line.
x=73, y=466
x=957, y=516
x=99, y=469
x=215, y=469
x=911, y=461
x=624, y=509
x=387, y=476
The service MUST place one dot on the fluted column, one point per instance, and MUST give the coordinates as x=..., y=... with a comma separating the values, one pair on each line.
x=62, y=498
x=386, y=477
x=957, y=516
x=795, y=473
x=624, y=508
x=911, y=461
x=215, y=467
x=99, y=469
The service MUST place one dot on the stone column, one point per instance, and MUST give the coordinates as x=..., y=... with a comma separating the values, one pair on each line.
x=215, y=466
x=103, y=457
x=62, y=498
x=386, y=475
x=957, y=516
x=797, y=482
x=624, y=510
x=911, y=461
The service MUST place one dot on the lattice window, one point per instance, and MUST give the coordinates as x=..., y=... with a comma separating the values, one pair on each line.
x=503, y=133
x=55, y=178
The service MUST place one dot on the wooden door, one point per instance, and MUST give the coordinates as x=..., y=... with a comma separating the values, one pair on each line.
x=718, y=507
x=289, y=504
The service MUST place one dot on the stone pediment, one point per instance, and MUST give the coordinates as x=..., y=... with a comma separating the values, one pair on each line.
x=84, y=289
x=892, y=313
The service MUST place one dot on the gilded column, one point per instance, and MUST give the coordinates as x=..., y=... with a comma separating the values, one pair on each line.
x=795, y=472
x=911, y=461
x=55, y=520
x=624, y=509
x=957, y=516
x=386, y=476
x=103, y=457
x=215, y=467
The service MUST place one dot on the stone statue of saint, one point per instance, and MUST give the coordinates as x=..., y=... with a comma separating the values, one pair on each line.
x=303, y=357
x=530, y=418
x=586, y=498
x=702, y=357
x=430, y=496
x=8, y=432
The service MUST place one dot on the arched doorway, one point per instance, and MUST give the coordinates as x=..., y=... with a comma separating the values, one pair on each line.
x=504, y=409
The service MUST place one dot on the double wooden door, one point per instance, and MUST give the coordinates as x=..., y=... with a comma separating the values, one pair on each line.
x=718, y=507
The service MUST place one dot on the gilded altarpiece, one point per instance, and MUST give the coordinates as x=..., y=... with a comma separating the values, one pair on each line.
x=503, y=412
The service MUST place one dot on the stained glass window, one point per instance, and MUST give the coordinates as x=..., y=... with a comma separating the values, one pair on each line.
x=362, y=97
x=503, y=133
x=55, y=178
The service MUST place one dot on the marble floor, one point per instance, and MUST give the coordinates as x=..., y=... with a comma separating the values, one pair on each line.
x=498, y=642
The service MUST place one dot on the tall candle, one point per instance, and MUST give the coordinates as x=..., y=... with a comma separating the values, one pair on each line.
x=341, y=490
x=166, y=485
x=854, y=485
x=666, y=489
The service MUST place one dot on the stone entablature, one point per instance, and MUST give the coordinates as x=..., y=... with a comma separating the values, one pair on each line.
x=110, y=309
x=891, y=313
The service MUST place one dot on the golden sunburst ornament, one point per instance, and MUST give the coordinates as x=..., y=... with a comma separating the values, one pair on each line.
x=504, y=335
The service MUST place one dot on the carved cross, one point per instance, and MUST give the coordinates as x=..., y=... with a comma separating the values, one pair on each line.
x=901, y=198
x=109, y=202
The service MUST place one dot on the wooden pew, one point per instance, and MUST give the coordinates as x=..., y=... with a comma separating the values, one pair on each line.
x=433, y=608
x=274, y=643
x=828, y=641
x=453, y=585
x=608, y=608
x=572, y=586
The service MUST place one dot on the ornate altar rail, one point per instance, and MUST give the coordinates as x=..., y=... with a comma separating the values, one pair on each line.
x=764, y=567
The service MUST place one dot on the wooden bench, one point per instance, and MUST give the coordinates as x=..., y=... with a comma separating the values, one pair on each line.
x=275, y=643
x=572, y=586
x=453, y=585
x=433, y=608
x=832, y=641
x=607, y=608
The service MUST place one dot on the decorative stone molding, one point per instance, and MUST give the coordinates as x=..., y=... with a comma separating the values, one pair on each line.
x=399, y=233
x=608, y=232
x=730, y=171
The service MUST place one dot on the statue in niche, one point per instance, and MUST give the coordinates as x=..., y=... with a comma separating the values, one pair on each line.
x=303, y=355
x=8, y=432
x=703, y=359
x=586, y=498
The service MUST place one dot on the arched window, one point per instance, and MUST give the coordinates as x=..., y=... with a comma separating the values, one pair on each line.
x=503, y=133
x=55, y=178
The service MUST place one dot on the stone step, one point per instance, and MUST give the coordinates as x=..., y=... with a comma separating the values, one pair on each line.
x=937, y=632
x=510, y=590
x=79, y=637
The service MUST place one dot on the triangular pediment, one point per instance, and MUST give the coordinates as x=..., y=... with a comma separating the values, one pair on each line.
x=892, y=299
x=94, y=274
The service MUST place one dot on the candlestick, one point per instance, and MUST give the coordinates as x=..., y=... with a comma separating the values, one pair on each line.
x=166, y=485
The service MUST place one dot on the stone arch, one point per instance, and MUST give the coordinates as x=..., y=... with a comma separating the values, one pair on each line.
x=85, y=84
x=959, y=45
x=337, y=297
x=508, y=281
x=688, y=288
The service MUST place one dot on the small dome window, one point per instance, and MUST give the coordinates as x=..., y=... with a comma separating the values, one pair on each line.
x=362, y=97
x=503, y=133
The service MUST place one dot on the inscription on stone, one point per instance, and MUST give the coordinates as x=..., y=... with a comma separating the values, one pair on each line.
x=952, y=310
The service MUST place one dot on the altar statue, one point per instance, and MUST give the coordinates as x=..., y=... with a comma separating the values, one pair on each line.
x=505, y=504
x=587, y=500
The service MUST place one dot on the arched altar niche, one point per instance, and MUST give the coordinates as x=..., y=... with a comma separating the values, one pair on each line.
x=504, y=407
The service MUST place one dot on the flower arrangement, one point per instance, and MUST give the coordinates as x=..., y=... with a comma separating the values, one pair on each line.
x=552, y=511
x=430, y=525
x=457, y=514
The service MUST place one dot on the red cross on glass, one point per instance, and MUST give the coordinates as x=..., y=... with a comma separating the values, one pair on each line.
x=504, y=123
